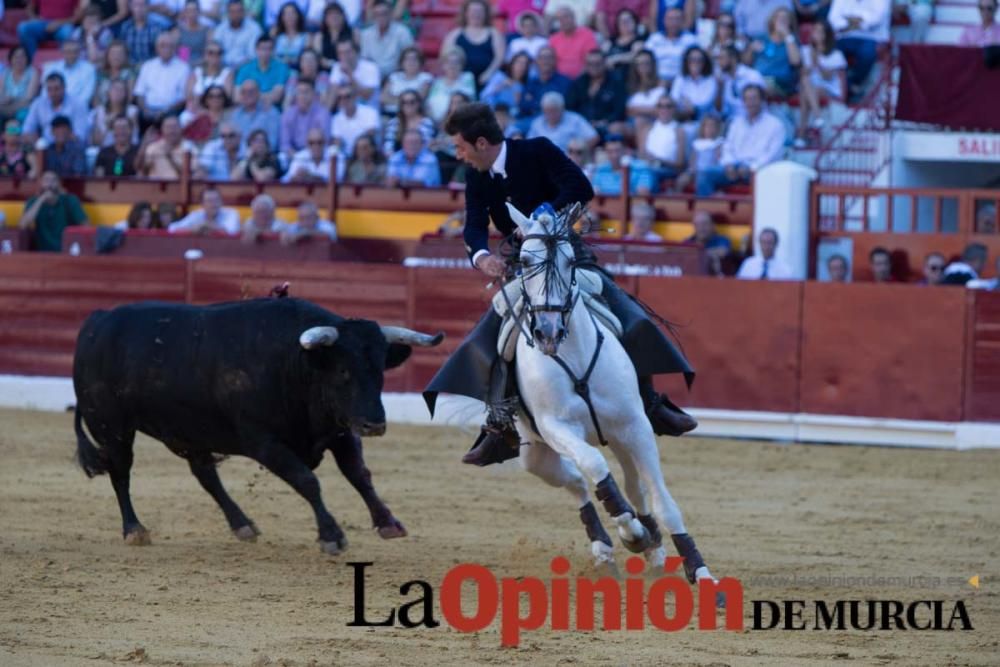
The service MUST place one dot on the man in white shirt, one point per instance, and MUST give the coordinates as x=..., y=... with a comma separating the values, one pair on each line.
x=561, y=126
x=212, y=217
x=308, y=225
x=80, y=75
x=352, y=120
x=262, y=218
x=861, y=25
x=220, y=155
x=669, y=46
x=754, y=139
x=764, y=265
x=54, y=102
x=312, y=163
x=237, y=34
x=360, y=74
x=159, y=88
x=384, y=40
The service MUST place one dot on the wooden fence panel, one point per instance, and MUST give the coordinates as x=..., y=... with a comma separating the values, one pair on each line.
x=741, y=336
x=45, y=298
x=883, y=351
x=983, y=382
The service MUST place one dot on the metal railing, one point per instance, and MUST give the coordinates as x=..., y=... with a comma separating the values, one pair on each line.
x=861, y=147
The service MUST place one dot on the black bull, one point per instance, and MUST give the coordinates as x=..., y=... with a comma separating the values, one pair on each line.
x=276, y=380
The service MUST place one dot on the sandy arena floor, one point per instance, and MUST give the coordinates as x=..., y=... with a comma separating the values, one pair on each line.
x=71, y=593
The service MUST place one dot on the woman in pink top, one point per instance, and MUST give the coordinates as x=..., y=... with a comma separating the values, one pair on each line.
x=987, y=32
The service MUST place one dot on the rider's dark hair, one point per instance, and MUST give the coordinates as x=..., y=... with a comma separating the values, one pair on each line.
x=474, y=120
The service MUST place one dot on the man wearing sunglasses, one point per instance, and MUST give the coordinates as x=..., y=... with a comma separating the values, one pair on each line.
x=531, y=174
x=934, y=265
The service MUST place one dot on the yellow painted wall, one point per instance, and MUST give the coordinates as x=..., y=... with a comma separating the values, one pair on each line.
x=374, y=223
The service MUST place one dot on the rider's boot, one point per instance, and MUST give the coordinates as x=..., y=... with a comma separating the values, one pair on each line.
x=499, y=439
x=665, y=417
x=495, y=444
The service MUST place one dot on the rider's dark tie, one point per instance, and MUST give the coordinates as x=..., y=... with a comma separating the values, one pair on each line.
x=763, y=273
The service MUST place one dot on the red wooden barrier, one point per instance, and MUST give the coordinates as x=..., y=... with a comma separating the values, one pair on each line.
x=741, y=336
x=13, y=239
x=883, y=350
x=982, y=395
x=810, y=347
x=45, y=298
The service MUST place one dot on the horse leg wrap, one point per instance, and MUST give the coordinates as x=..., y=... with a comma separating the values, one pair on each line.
x=612, y=499
x=686, y=548
x=649, y=522
x=595, y=530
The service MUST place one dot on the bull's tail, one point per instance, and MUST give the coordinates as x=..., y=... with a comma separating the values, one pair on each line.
x=91, y=458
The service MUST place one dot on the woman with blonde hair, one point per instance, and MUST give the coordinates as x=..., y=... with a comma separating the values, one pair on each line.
x=453, y=79
x=778, y=57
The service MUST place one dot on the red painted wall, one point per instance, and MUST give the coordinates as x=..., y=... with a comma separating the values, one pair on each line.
x=876, y=350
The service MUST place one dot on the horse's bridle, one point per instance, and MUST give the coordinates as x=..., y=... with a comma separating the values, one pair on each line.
x=581, y=383
x=551, y=243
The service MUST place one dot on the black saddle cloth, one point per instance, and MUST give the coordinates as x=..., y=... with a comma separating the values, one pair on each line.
x=467, y=371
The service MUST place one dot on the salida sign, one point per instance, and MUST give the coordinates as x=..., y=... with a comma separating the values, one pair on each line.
x=666, y=604
x=986, y=146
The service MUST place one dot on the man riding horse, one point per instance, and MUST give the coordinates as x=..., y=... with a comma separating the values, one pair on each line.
x=529, y=173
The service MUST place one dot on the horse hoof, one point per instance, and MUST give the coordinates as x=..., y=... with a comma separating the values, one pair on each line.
x=655, y=556
x=391, y=531
x=333, y=548
x=138, y=537
x=247, y=533
x=633, y=534
x=604, y=560
x=720, y=600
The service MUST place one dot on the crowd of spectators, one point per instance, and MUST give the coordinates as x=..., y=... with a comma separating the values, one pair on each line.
x=291, y=90
x=249, y=88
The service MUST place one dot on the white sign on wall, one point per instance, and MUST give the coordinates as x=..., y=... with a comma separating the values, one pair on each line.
x=951, y=146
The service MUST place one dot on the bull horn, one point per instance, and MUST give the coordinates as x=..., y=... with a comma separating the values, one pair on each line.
x=410, y=337
x=318, y=336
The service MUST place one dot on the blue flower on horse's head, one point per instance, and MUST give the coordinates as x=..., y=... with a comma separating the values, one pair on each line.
x=544, y=209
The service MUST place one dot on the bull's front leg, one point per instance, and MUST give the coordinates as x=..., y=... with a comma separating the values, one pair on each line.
x=346, y=448
x=286, y=465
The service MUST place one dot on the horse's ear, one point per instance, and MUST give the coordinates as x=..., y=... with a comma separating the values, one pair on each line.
x=522, y=222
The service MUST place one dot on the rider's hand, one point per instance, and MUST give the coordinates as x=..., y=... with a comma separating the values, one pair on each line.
x=491, y=265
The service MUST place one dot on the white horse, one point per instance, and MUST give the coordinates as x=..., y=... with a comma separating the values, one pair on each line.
x=580, y=387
